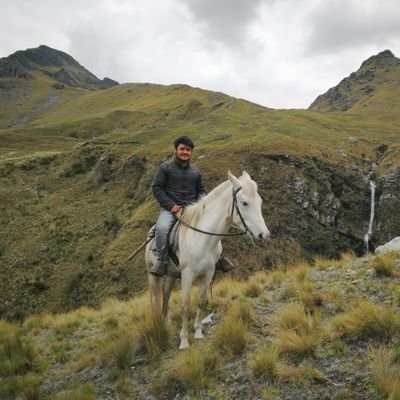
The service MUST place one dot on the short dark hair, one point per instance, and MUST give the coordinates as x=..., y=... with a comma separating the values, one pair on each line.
x=183, y=140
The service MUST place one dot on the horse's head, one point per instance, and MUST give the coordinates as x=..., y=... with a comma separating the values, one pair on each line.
x=247, y=211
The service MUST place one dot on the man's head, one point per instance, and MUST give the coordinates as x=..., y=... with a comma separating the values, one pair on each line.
x=183, y=148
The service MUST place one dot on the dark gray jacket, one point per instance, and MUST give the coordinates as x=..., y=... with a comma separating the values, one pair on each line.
x=177, y=183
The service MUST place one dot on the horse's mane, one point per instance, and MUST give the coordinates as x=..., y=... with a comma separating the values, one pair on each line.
x=194, y=211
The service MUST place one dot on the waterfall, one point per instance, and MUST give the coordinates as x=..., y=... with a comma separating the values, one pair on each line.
x=368, y=235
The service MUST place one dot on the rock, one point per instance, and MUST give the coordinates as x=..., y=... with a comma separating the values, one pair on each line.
x=393, y=245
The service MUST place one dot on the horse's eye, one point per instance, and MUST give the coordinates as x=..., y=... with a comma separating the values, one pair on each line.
x=245, y=203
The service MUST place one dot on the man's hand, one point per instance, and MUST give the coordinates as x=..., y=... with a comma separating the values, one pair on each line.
x=175, y=209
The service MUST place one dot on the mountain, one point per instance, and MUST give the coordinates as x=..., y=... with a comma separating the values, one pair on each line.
x=54, y=63
x=373, y=88
x=76, y=167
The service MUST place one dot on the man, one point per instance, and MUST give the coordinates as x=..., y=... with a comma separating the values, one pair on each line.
x=176, y=184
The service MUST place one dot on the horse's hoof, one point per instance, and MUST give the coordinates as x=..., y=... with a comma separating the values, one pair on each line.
x=184, y=345
x=198, y=335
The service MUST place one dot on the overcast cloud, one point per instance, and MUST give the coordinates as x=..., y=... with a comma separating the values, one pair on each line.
x=278, y=53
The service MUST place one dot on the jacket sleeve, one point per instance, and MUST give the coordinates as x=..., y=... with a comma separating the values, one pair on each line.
x=158, y=187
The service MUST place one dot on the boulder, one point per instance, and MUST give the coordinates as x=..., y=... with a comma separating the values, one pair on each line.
x=393, y=245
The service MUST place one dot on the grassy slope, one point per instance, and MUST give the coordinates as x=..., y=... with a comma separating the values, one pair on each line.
x=56, y=223
x=331, y=331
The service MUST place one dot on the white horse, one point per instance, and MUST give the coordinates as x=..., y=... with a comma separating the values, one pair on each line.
x=234, y=202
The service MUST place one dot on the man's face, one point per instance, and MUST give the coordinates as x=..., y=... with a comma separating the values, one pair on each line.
x=183, y=152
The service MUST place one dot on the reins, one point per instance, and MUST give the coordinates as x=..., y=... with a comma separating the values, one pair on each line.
x=234, y=207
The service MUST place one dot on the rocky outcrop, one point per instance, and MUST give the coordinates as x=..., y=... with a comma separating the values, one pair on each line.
x=12, y=69
x=393, y=245
x=387, y=213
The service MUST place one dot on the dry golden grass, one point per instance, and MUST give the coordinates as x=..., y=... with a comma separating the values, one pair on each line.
x=323, y=263
x=296, y=332
x=334, y=297
x=253, y=288
x=385, y=264
x=367, y=320
x=386, y=372
x=154, y=336
x=193, y=369
x=263, y=362
x=85, y=392
x=291, y=373
x=346, y=258
x=231, y=336
x=120, y=348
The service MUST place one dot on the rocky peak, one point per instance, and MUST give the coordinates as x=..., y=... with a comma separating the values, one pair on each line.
x=383, y=59
x=43, y=56
x=363, y=83
x=63, y=68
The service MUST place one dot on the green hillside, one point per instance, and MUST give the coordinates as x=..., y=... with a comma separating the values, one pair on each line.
x=76, y=164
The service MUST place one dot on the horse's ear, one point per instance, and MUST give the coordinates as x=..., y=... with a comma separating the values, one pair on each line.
x=245, y=175
x=235, y=181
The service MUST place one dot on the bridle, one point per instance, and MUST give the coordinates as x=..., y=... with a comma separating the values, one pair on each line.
x=235, y=206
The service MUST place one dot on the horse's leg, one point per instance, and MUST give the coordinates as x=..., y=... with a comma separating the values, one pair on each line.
x=204, y=285
x=186, y=283
x=155, y=287
x=168, y=287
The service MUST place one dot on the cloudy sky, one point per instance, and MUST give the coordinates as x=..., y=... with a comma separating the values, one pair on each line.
x=278, y=53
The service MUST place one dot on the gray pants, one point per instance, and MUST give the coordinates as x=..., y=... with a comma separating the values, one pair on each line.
x=165, y=222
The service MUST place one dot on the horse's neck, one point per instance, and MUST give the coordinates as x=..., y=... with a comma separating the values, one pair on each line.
x=216, y=216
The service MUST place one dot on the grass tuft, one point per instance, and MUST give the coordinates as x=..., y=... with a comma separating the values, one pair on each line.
x=385, y=264
x=296, y=332
x=367, y=320
x=231, y=336
x=154, y=335
x=263, y=362
x=386, y=373
x=193, y=369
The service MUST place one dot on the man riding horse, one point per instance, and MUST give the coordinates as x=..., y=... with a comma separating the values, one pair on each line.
x=176, y=184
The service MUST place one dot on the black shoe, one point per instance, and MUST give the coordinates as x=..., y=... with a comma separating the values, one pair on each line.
x=159, y=268
x=224, y=264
